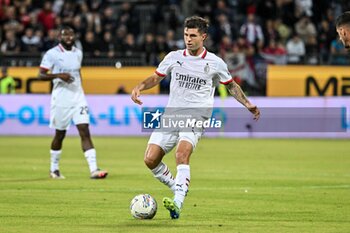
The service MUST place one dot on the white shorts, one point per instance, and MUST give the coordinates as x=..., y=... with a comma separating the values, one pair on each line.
x=168, y=140
x=61, y=117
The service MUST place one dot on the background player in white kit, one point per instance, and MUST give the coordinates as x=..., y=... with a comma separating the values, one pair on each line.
x=194, y=75
x=68, y=101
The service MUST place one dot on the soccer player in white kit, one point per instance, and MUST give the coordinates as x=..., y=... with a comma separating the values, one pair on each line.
x=194, y=74
x=68, y=101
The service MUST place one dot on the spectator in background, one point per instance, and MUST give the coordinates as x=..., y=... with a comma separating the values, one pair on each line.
x=253, y=32
x=57, y=6
x=149, y=47
x=108, y=48
x=162, y=47
x=23, y=15
x=270, y=32
x=267, y=9
x=311, y=48
x=304, y=7
x=67, y=12
x=108, y=19
x=50, y=40
x=47, y=17
x=7, y=82
x=79, y=25
x=11, y=44
x=204, y=8
x=242, y=44
x=225, y=46
x=305, y=28
x=86, y=16
x=170, y=40
x=286, y=11
x=173, y=17
x=173, y=43
x=224, y=27
x=295, y=49
x=34, y=23
x=121, y=33
x=283, y=30
x=129, y=46
x=129, y=18
x=235, y=60
x=274, y=48
x=325, y=37
x=222, y=8
x=91, y=45
x=30, y=42
x=10, y=21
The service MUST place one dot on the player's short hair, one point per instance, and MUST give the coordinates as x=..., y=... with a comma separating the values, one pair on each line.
x=197, y=22
x=343, y=19
x=65, y=27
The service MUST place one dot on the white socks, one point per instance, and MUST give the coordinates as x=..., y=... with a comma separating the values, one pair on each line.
x=163, y=174
x=90, y=156
x=55, y=160
x=182, y=182
x=179, y=186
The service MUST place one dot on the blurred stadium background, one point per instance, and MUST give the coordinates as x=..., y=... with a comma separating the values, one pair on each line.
x=283, y=53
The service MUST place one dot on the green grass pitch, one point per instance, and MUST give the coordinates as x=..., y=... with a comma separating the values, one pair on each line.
x=237, y=185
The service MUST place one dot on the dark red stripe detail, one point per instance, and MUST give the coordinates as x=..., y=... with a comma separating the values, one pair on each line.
x=160, y=74
x=225, y=83
x=204, y=54
x=60, y=46
x=44, y=68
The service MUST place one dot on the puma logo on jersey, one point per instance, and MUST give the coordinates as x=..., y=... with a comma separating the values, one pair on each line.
x=180, y=63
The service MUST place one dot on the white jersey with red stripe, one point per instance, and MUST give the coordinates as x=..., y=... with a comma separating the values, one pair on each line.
x=60, y=60
x=193, y=78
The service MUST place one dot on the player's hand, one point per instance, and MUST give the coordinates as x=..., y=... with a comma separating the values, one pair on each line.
x=135, y=96
x=254, y=110
x=66, y=77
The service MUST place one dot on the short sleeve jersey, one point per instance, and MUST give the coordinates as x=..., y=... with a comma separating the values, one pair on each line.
x=59, y=60
x=193, y=78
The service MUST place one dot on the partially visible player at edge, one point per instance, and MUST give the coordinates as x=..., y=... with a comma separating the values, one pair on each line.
x=194, y=61
x=68, y=101
x=342, y=25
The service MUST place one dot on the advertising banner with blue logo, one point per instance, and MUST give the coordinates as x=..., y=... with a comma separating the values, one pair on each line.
x=117, y=115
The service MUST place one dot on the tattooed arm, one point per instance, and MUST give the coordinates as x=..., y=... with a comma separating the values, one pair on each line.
x=236, y=91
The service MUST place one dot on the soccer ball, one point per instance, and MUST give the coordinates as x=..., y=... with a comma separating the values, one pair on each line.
x=143, y=206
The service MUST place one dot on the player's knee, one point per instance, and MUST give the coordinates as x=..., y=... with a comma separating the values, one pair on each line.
x=60, y=135
x=150, y=161
x=182, y=157
x=84, y=132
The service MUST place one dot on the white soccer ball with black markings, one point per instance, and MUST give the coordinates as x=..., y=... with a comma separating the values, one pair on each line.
x=143, y=206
